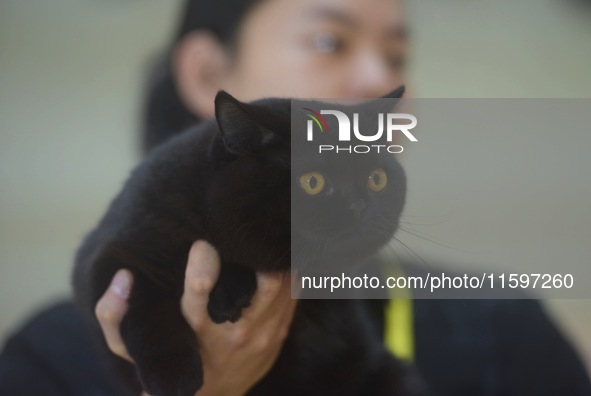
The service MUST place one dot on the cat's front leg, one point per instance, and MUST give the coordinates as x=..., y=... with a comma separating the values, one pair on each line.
x=233, y=291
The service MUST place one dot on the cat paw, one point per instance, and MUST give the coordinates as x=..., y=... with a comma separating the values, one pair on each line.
x=223, y=308
x=231, y=294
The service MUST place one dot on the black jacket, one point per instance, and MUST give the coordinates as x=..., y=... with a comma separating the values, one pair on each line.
x=463, y=347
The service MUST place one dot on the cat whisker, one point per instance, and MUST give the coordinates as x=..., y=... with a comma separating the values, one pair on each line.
x=384, y=226
x=274, y=266
x=413, y=253
x=442, y=244
x=445, y=216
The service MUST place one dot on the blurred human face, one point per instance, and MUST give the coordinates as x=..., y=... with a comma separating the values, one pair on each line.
x=319, y=48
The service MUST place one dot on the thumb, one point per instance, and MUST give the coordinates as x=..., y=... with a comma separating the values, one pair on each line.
x=111, y=309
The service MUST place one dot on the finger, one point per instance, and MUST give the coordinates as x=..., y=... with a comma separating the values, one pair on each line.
x=295, y=285
x=284, y=306
x=287, y=317
x=110, y=310
x=203, y=268
x=283, y=322
x=268, y=287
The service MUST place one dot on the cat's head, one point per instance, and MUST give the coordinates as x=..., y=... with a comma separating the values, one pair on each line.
x=273, y=200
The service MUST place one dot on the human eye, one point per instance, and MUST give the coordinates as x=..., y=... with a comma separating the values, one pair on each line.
x=327, y=43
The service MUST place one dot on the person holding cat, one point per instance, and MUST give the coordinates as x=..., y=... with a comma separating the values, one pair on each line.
x=318, y=48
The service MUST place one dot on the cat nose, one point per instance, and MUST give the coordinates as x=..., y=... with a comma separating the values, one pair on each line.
x=358, y=207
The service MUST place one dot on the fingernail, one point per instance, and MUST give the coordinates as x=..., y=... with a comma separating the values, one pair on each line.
x=121, y=284
x=205, y=248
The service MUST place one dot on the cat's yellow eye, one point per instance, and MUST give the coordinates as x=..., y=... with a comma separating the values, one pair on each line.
x=377, y=180
x=312, y=183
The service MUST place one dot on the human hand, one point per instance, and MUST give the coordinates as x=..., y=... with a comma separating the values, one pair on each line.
x=235, y=356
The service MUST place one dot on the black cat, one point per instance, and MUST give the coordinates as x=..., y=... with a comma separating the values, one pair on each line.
x=229, y=182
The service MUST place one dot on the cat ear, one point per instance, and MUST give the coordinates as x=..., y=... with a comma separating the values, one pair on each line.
x=241, y=133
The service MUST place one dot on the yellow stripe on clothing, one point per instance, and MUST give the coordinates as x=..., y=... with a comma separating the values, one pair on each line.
x=399, y=335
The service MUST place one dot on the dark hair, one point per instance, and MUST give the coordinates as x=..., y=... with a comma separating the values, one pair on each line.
x=164, y=114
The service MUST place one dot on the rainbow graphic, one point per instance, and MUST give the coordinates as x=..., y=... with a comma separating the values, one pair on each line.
x=320, y=121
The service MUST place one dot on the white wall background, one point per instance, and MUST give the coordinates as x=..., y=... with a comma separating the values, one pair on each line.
x=70, y=79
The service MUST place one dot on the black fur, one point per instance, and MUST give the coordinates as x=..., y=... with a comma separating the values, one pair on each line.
x=228, y=181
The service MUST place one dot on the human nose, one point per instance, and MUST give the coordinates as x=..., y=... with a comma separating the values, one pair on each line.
x=371, y=76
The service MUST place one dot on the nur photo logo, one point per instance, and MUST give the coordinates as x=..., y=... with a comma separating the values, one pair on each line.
x=388, y=125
